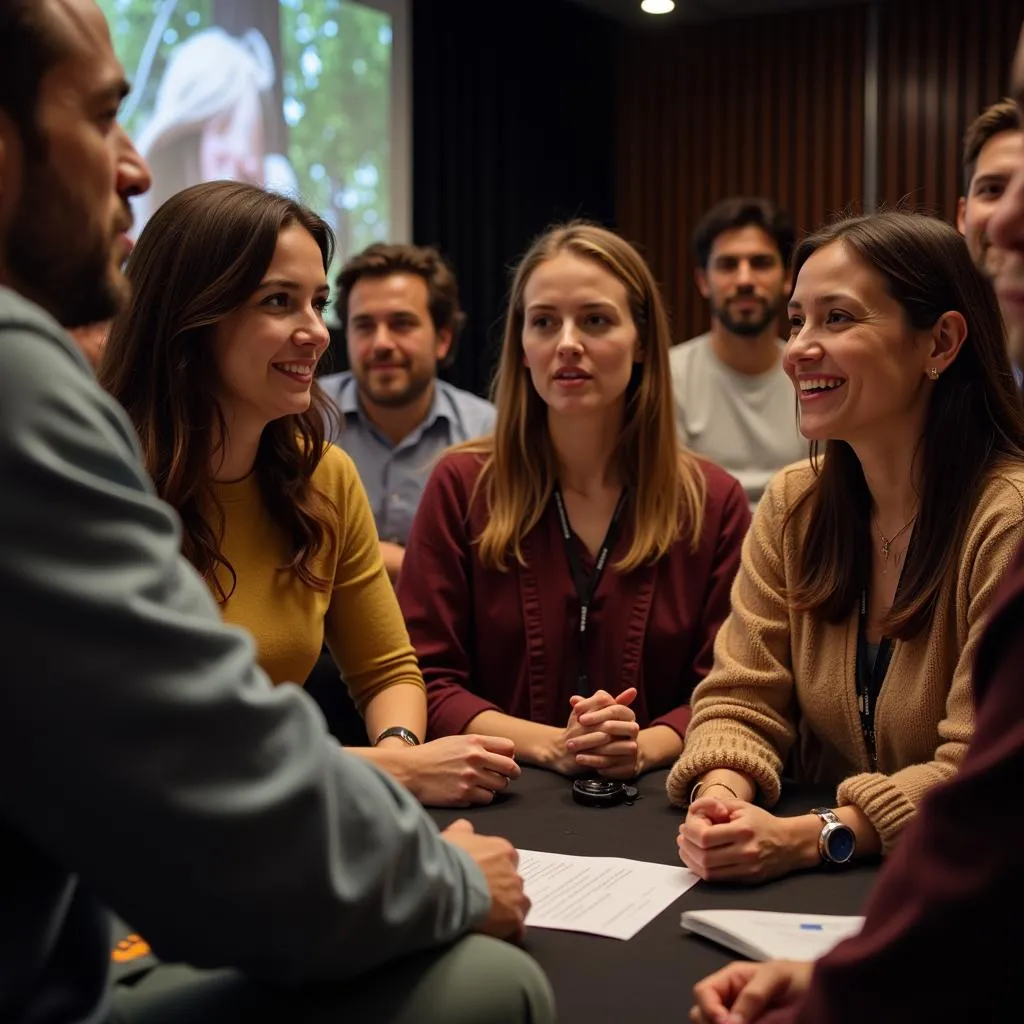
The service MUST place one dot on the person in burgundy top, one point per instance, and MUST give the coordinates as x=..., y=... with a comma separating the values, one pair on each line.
x=565, y=577
x=948, y=906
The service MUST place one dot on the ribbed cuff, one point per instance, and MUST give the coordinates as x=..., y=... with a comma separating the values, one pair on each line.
x=735, y=752
x=887, y=807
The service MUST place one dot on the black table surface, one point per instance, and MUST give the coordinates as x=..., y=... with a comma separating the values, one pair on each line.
x=649, y=977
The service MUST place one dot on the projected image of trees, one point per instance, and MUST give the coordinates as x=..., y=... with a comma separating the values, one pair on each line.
x=292, y=94
x=336, y=87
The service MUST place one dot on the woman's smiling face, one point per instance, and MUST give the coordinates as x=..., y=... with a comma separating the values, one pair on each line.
x=857, y=363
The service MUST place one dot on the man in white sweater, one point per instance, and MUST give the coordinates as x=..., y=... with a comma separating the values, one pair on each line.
x=734, y=403
x=149, y=765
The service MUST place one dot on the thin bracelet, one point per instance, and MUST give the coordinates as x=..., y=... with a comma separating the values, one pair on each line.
x=698, y=786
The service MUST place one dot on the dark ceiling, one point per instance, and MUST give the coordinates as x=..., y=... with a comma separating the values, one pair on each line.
x=699, y=10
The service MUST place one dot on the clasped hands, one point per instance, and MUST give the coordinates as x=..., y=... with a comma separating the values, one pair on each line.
x=728, y=840
x=600, y=736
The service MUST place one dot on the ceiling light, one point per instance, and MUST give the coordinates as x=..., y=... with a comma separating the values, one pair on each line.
x=658, y=6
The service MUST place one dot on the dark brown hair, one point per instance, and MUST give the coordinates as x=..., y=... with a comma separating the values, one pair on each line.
x=199, y=258
x=740, y=212
x=975, y=419
x=1000, y=117
x=383, y=260
x=30, y=44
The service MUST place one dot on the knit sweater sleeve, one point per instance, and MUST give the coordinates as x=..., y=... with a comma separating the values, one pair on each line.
x=363, y=627
x=744, y=710
x=890, y=801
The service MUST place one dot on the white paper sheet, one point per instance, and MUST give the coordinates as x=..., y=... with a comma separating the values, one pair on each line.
x=608, y=896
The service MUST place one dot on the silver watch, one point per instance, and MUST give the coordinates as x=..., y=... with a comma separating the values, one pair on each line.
x=837, y=843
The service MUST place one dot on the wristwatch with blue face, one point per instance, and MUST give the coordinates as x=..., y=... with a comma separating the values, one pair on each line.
x=836, y=843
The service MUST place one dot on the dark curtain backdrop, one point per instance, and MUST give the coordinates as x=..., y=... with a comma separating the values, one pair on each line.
x=513, y=129
x=769, y=106
x=529, y=112
x=775, y=105
x=941, y=63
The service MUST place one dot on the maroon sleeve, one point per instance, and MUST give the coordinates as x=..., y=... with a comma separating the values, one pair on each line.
x=948, y=905
x=731, y=522
x=434, y=593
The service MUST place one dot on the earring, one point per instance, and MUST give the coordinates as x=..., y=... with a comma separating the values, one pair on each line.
x=933, y=372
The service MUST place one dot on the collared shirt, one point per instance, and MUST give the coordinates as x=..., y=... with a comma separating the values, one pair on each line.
x=394, y=475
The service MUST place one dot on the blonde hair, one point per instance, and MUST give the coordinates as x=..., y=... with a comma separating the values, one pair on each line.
x=519, y=466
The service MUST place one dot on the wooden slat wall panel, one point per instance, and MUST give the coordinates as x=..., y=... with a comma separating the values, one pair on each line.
x=770, y=106
x=941, y=63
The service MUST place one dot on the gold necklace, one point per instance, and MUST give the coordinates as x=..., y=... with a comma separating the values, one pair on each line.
x=887, y=541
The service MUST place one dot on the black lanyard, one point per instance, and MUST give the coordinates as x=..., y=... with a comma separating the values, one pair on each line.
x=870, y=678
x=585, y=589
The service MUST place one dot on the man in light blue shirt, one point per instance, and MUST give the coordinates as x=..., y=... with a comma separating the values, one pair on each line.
x=399, y=307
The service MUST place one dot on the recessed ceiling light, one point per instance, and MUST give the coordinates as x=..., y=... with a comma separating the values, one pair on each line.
x=658, y=6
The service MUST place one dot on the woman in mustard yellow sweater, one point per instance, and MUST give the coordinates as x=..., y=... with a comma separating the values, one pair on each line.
x=868, y=572
x=214, y=360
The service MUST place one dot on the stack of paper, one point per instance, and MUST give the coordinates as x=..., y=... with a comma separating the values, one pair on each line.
x=763, y=935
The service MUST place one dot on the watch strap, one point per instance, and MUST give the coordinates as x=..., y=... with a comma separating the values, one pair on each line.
x=401, y=732
x=827, y=815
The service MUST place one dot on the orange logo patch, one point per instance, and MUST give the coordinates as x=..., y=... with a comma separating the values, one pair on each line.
x=131, y=947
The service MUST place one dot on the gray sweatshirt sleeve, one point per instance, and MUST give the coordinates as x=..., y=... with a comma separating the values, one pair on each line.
x=141, y=747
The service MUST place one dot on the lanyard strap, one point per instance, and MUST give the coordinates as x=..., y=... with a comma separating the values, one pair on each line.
x=585, y=589
x=870, y=678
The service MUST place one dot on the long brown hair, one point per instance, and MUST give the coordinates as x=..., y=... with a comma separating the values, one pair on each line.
x=519, y=469
x=200, y=257
x=974, y=420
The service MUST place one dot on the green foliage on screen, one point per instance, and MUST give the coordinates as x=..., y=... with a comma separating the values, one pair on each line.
x=131, y=24
x=337, y=146
x=335, y=80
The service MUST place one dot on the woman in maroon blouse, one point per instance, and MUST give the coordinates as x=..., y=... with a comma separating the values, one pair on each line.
x=565, y=577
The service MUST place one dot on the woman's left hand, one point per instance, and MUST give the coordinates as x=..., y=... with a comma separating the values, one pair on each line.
x=735, y=841
x=607, y=743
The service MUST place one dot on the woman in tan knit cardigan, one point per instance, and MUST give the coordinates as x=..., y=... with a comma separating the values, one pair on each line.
x=868, y=572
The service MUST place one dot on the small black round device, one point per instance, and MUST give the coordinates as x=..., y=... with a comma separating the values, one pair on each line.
x=602, y=792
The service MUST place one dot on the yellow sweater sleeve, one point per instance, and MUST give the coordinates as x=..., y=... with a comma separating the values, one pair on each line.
x=364, y=628
x=890, y=801
x=744, y=710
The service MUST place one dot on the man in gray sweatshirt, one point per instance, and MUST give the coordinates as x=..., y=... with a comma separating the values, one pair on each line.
x=147, y=764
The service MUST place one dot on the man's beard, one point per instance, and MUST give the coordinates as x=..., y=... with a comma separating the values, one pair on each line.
x=52, y=262
x=387, y=399
x=749, y=327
